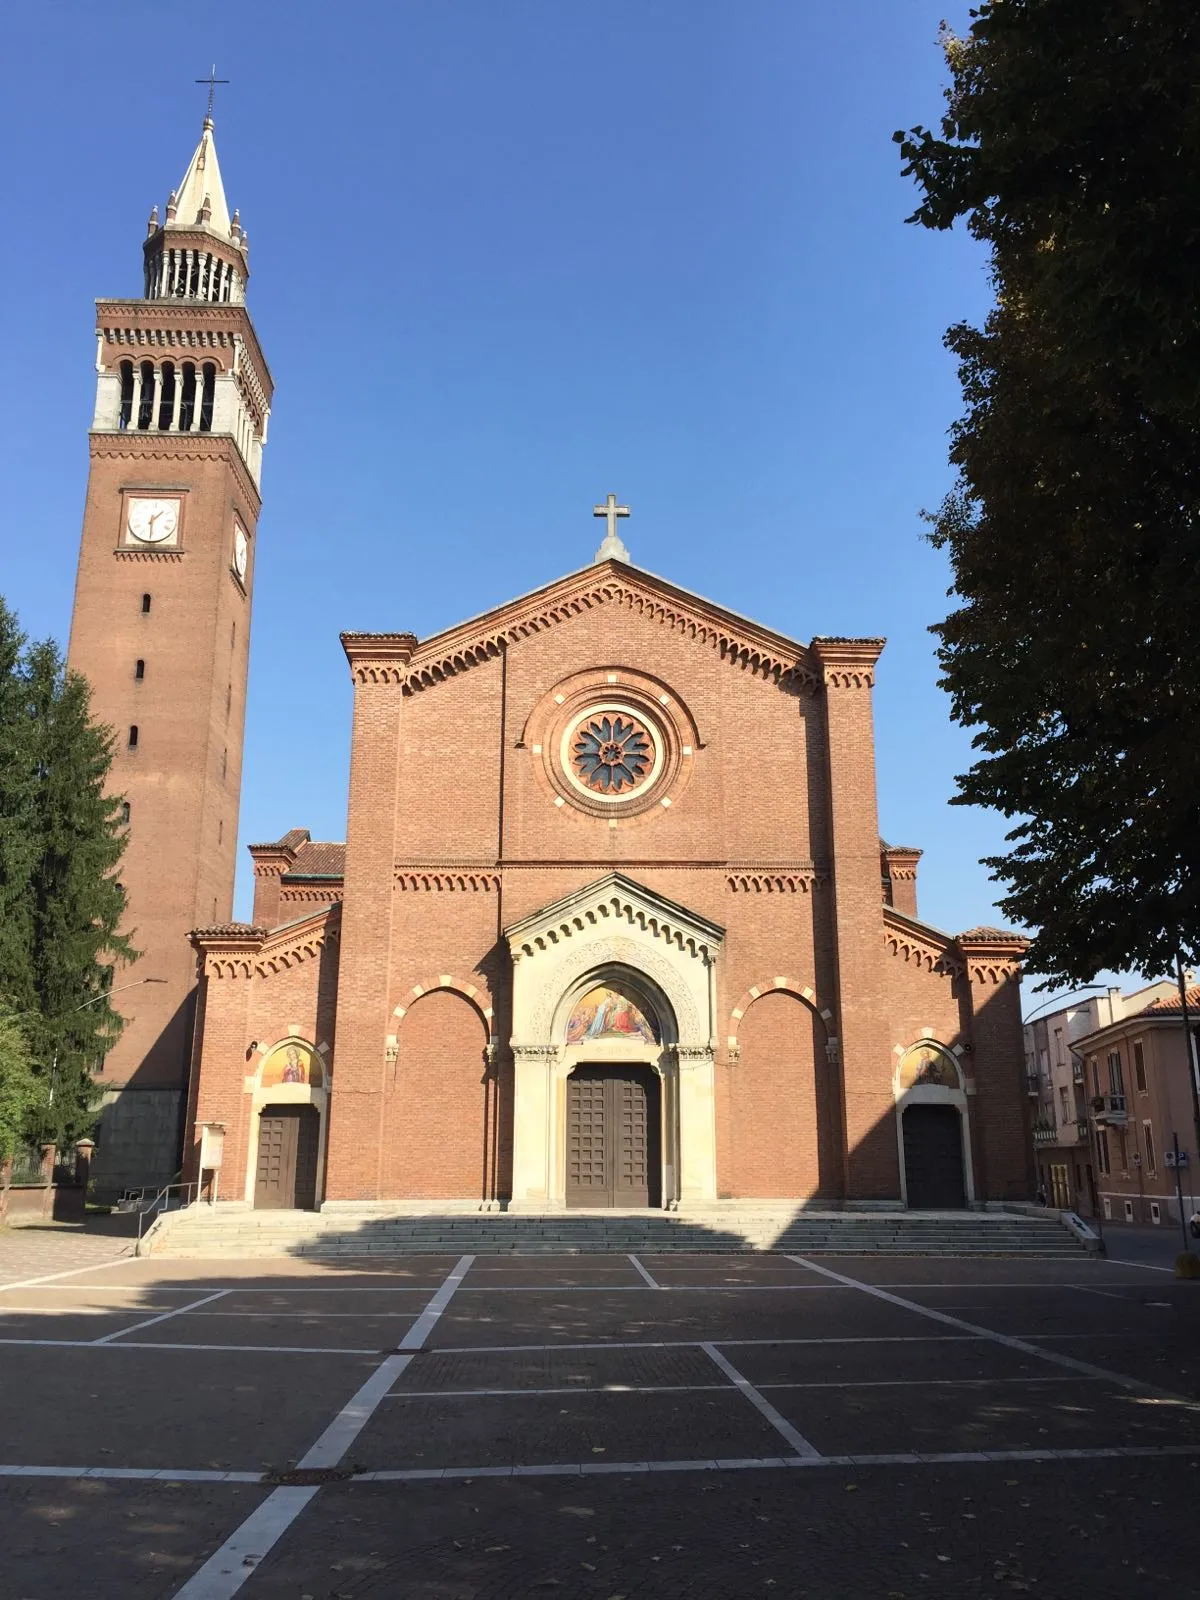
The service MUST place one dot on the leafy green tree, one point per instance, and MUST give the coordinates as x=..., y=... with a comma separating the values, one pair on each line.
x=19, y=1088
x=61, y=839
x=1071, y=147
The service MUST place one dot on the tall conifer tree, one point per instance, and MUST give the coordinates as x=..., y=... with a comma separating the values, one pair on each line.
x=61, y=839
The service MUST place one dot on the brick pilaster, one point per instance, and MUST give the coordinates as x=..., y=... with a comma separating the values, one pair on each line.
x=356, y=1120
x=871, y=1162
x=1001, y=1109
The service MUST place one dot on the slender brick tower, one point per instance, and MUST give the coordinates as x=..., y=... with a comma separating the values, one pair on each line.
x=161, y=626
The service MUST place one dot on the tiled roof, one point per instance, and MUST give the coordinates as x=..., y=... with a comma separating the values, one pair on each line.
x=1171, y=1003
x=318, y=858
x=985, y=935
x=292, y=840
x=228, y=930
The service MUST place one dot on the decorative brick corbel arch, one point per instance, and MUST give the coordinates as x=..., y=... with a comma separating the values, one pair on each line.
x=792, y=986
x=475, y=994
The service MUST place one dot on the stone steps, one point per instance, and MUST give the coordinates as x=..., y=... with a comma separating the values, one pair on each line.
x=200, y=1232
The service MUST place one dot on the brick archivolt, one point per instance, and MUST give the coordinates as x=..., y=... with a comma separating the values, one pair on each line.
x=776, y=985
x=760, y=656
x=476, y=994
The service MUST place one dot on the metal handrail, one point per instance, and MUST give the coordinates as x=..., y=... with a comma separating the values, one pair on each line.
x=162, y=1200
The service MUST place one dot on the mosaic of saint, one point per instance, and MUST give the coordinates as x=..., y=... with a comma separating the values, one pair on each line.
x=612, y=753
x=607, y=1014
x=925, y=1065
x=292, y=1063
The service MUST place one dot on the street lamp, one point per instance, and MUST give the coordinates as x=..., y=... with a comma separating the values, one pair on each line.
x=1084, y=988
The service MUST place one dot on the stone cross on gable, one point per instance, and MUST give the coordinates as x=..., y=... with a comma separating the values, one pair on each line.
x=612, y=548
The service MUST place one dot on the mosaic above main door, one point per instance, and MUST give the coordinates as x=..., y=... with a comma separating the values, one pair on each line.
x=605, y=1013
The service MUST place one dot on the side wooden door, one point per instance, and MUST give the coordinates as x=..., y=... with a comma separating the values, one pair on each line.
x=286, y=1174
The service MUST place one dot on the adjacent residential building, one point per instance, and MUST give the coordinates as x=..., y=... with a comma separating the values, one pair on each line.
x=1109, y=1078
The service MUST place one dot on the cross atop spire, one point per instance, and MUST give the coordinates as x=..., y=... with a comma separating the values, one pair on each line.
x=212, y=81
x=611, y=549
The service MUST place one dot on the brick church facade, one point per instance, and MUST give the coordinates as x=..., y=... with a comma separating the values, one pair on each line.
x=577, y=952
x=612, y=925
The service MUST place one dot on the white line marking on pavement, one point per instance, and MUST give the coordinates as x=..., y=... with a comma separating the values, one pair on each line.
x=225, y=1571
x=424, y=1325
x=578, y=1389
x=642, y=1273
x=750, y=1463
x=1011, y=1341
x=223, y=1574
x=164, y=1316
x=257, y=1545
x=137, y=1474
x=218, y=1349
x=585, y=1390
x=74, y=1272
x=779, y=1422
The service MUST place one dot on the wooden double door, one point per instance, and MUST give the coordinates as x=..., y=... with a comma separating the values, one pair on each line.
x=285, y=1179
x=614, y=1137
x=933, y=1158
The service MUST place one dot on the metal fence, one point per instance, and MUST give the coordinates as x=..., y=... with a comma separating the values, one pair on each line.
x=27, y=1167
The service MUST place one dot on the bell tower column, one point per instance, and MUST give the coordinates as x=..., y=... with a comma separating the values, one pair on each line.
x=161, y=628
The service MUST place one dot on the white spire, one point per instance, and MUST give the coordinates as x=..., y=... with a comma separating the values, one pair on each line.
x=201, y=182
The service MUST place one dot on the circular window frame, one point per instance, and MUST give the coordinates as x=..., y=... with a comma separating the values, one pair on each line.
x=556, y=720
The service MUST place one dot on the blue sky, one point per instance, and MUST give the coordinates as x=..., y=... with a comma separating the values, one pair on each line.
x=508, y=255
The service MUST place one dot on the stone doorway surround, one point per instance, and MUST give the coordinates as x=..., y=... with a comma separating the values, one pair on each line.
x=614, y=931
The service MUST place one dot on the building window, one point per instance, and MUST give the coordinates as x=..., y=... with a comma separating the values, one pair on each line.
x=221, y=832
x=1059, y=1056
x=1123, y=1148
x=145, y=604
x=1148, y=1143
x=1116, y=1078
x=139, y=669
x=1064, y=1110
x=1155, y=1212
x=1129, y=1211
x=124, y=810
x=1102, y=1151
x=224, y=763
x=133, y=736
x=1139, y=1066
x=1095, y=1066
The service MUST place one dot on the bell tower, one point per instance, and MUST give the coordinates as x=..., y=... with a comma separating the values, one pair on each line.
x=161, y=625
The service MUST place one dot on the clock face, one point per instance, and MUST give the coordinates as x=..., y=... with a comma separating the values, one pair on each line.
x=153, y=521
x=241, y=550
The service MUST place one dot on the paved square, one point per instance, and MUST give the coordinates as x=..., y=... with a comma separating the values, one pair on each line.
x=497, y=1427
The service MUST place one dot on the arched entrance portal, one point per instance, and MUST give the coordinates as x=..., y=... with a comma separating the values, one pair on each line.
x=932, y=1124
x=613, y=1023
x=613, y=1029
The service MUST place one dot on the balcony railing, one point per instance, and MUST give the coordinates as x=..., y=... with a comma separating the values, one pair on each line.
x=1044, y=1133
x=1108, y=1108
x=1077, y=1072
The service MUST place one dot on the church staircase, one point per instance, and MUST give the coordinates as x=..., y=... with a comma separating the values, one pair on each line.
x=236, y=1230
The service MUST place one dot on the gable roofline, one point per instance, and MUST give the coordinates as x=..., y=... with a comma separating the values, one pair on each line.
x=598, y=889
x=739, y=638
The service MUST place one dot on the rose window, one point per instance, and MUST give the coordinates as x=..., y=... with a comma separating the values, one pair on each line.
x=612, y=753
